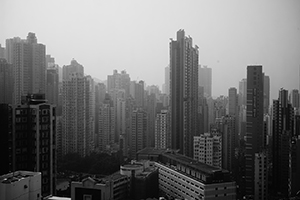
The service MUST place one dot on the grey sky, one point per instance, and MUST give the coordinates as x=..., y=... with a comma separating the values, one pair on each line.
x=134, y=35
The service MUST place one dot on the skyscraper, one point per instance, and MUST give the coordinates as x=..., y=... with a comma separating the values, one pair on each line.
x=138, y=132
x=183, y=92
x=294, y=98
x=254, y=127
x=106, y=124
x=233, y=102
x=74, y=67
x=2, y=52
x=162, y=131
x=6, y=81
x=28, y=59
x=167, y=80
x=52, y=86
x=266, y=94
x=205, y=80
x=283, y=119
x=76, y=111
x=34, y=147
x=243, y=92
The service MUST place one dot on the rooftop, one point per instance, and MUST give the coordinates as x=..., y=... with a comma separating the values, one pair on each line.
x=17, y=176
x=150, y=150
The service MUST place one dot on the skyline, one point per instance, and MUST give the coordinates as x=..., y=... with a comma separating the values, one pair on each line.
x=132, y=34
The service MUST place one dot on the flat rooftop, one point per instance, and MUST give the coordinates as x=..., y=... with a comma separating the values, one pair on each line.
x=173, y=155
x=17, y=176
x=193, y=163
x=152, y=151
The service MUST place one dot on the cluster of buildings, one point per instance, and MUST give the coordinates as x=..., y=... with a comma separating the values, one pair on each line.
x=187, y=144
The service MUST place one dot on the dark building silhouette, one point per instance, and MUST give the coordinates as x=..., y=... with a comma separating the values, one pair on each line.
x=283, y=119
x=183, y=92
x=6, y=142
x=6, y=81
x=254, y=123
x=29, y=132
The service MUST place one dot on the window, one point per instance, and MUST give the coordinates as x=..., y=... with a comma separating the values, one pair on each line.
x=87, y=197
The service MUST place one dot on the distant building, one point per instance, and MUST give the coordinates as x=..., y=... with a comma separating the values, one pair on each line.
x=226, y=126
x=106, y=134
x=25, y=185
x=205, y=80
x=151, y=102
x=77, y=114
x=52, y=86
x=2, y=52
x=119, y=81
x=208, y=149
x=138, y=132
x=162, y=130
x=243, y=92
x=266, y=94
x=232, y=102
x=74, y=67
x=6, y=82
x=167, y=80
x=28, y=60
x=294, y=98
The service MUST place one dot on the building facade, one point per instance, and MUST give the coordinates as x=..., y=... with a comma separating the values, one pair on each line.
x=254, y=123
x=208, y=149
x=205, y=80
x=183, y=92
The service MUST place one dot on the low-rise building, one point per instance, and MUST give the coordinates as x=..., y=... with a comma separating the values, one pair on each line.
x=21, y=185
x=183, y=177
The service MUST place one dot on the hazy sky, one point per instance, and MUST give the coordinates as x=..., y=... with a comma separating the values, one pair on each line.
x=134, y=35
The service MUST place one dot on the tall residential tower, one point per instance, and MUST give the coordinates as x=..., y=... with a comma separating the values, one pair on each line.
x=183, y=92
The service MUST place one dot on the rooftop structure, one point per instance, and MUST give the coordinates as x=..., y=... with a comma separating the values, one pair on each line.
x=21, y=185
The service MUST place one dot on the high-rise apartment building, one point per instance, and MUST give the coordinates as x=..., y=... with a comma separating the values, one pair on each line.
x=283, y=119
x=100, y=91
x=233, y=102
x=52, y=85
x=6, y=81
x=208, y=149
x=205, y=79
x=137, y=91
x=6, y=142
x=74, y=67
x=261, y=176
x=138, y=132
x=2, y=52
x=226, y=125
x=183, y=93
x=162, y=130
x=29, y=66
x=119, y=81
x=254, y=128
x=294, y=98
x=167, y=80
x=106, y=136
x=151, y=111
x=243, y=92
x=266, y=94
x=76, y=112
x=202, y=112
x=34, y=143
